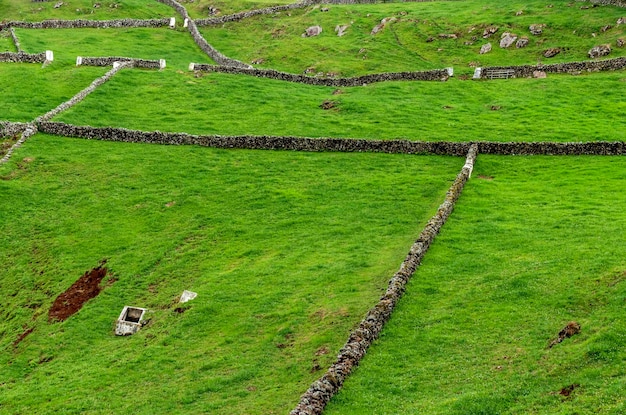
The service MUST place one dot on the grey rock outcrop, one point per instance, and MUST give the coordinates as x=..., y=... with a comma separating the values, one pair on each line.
x=507, y=40
x=599, y=51
x=312, y=31
x=486, y=48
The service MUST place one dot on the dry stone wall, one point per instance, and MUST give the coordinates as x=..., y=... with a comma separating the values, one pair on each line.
x=618, y=3
x=321, y=391
x=256, y=142
x=22, y=57
x=289, y=143
x=110, y=60
x=524, y=71
x=10, y=129
x=16, y=41
x=27, y=130
x=81, y=23
x=435, y=75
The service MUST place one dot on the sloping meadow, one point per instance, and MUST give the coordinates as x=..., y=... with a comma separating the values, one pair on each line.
x=534, y=243
x=558, y=109
x=285, y=250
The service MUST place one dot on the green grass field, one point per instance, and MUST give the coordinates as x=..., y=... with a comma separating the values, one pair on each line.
x=41, y=89
x=286, y=250
x=402, y=45
x=83, y=9
x=534, y=243
x=451, y=111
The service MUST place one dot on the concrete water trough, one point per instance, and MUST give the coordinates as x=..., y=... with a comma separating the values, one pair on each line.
x=129, y=321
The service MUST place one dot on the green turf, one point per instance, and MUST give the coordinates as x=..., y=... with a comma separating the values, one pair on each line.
x=286, y=251
x=6, y=42
x=554, y=109
x=26, y=10
x=200, y=9
x=140, y=43
x=40, y=90
x=403, y=45
x=533, y=243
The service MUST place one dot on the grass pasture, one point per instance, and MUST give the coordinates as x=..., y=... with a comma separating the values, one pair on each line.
x=413, y=42
x=450, y=111
x=140, y=43
x=83, y=9
x=286, y=250
x=534, y=243
x=41, y=89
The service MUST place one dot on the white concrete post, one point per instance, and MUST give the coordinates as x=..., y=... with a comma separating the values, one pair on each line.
x=49, y=55
x=162, y=63
x=116, y=65
x=450, y=71
x=192, y=66
x=477, y=73
x=172, y=23
x=186, y=23
x=79, y=60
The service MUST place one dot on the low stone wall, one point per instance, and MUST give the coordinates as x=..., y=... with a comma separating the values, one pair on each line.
x=597, y=148
x=256, y=142
x=81, y=23
x=435, y=75
x=22, y=57
x=618, y=3
x=82, y=94
x=27, y=130
x=10, y=129
x=110, y=60
x=321, y=391
x=349, y=145
x=213, y=53
x=16, y=41
x=524, y=71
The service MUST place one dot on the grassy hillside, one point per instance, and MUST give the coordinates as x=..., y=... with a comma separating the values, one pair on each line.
x=136, y=42
x=557, y=109
x=412, y=41
x=40, y=89
x=286, y=250
x=82, y=9
x=534, y=243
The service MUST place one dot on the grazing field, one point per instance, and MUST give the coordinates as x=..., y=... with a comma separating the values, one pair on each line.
x=534, y=243
x=286, y=250
x=413, y=41
x=83, y=9
x=557, y=109
x=40, y=89
x=137, y=43
x=289, y=250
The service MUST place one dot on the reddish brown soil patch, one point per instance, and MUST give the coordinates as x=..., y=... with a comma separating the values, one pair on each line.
x=568, y=331
x=73, y=299
x=22, y=336
x=567, y=391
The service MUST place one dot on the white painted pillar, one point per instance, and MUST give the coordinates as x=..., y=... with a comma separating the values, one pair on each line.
x=79, y=60
x=172, y=23
x=162, y=63
x=49, y=56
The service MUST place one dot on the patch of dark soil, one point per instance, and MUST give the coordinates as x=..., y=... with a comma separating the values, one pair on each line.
x=180, y=310
x=45, y=359
x=328, y=105
x=322, y=351
x=567, y=391
x=83, y=290
x=568, y=331
x=22, y=336
x=316, y=367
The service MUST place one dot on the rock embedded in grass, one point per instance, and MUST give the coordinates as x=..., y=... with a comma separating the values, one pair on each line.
x=486, y=48
x=536, y=29
x=599, y=51
x=312, y=31
x=522, y=42
x=490, y=30
x=552, y=52
x=507, y=40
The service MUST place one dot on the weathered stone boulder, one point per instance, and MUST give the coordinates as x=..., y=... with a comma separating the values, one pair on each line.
x=539, y=74
x=486, y=48
x=522, y=42
x=549, y=53
x=620, y=42
x=490, y=30
x=621, y=20
x=599, y=51
x=312, y=31
x=536, y=29
x=507, y=40
x=341, y=29
x=382, y=25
